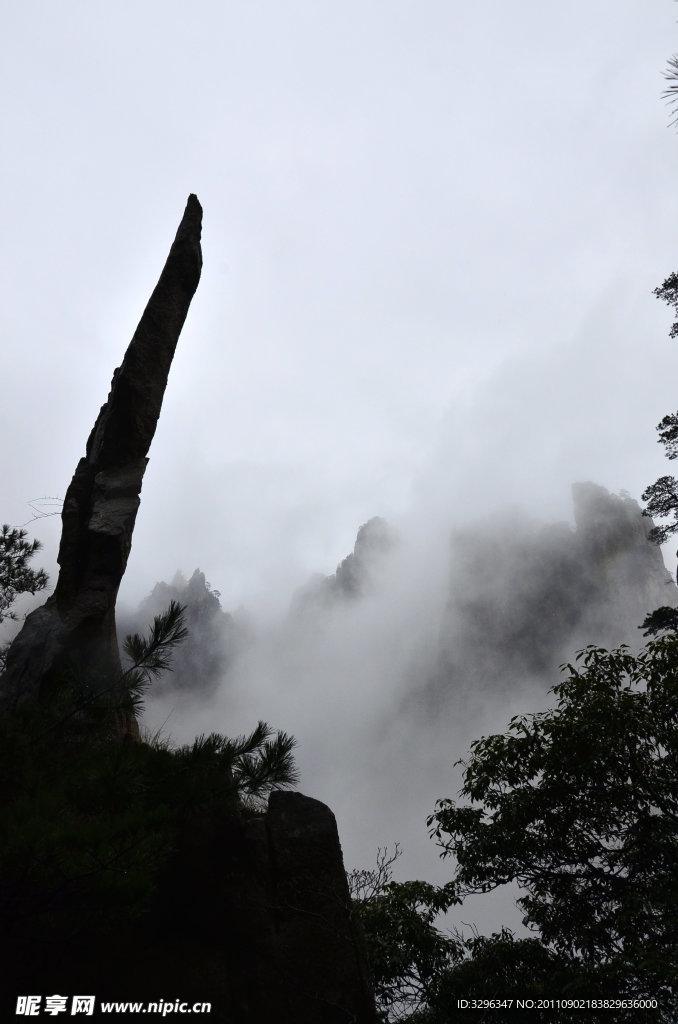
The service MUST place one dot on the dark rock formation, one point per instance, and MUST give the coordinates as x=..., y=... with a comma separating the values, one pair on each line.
x=295, y=901
x=271, y=904
x=353, y=577
x=251, y=913
x=248, y=911
x=76, y=625
x=525, y=596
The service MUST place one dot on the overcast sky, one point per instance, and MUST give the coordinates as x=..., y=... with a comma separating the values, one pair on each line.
x=431, y=234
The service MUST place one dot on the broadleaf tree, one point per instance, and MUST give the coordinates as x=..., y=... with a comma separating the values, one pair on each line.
x=661, y=497
x=578, y=806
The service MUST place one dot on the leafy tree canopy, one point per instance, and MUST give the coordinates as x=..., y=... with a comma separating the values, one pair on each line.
x=407, y=953
x=578, y=805
x=662, y=496
x=661, y=499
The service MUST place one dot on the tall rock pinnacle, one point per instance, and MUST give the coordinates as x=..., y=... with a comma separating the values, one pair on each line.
x=76, y=625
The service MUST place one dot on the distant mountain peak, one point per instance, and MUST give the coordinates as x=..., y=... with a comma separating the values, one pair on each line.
x=525, y=596
x=353, y=576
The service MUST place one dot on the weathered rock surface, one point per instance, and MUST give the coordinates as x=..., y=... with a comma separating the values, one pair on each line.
x=76, y=625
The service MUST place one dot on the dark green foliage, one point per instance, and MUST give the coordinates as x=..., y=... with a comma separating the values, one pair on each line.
x=15, y=575
x=407, y=954
x=671, y=91
x=80, y=839
x=150, y=657
x=256, y=763
x=154, y=655
x=420, y=973
x=99, y=834
x=661, y=500
x=668, y=435
x=259, y=757
x=662, y=496
x=660, y=620
x=579, y=805
x=502, y=969
x=668, y=292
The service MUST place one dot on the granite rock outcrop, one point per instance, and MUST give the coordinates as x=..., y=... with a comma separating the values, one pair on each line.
x=74, y=630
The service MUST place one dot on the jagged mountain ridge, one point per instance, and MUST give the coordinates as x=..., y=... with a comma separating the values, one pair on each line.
x=523, y=596
x=533, y=594
x=354, y=574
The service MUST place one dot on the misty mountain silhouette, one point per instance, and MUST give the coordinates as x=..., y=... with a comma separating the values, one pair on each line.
x=523, y=596
x=203, y=659
x=354, y=575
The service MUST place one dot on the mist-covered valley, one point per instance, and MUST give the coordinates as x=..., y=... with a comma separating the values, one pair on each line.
x=386, y=669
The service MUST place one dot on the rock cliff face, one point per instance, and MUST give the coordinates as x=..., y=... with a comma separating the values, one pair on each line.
x=524, y=596
x=76, y=625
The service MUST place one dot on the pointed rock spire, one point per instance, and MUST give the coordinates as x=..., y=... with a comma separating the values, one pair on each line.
x=77, y=622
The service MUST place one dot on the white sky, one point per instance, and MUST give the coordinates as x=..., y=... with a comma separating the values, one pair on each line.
x=431, y=233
